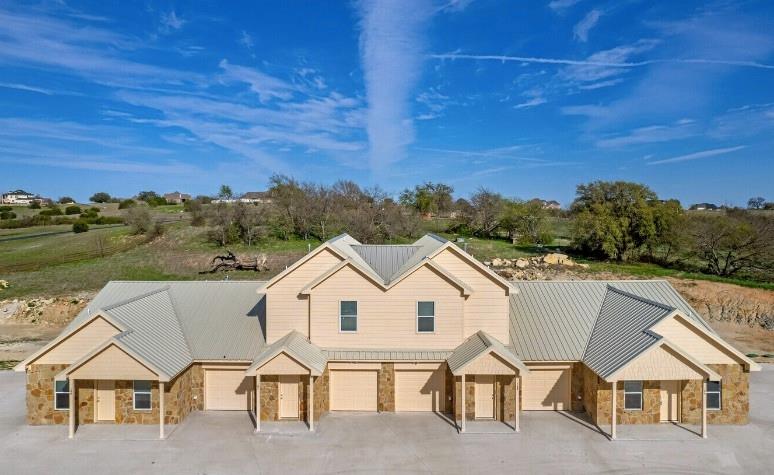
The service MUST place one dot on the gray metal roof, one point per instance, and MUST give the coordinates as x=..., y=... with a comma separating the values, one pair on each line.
x=621, y=332
x=344, y=354
x=219, y=320
x=553, y=320
x=154, y=331
x=388, y=261
x=297, y=346
x=385, y=261
x=478, y=344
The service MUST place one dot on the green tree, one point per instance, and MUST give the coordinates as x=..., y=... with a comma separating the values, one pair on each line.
x=756, y=202
x=225, y=192
x=100, y=197
x=63, y=200
x=525, y=222
x=80, y=226
x=127, y=203
x=428, y=198
x=613, y=219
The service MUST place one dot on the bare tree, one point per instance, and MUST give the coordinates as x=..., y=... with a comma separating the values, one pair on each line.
x=487, y=206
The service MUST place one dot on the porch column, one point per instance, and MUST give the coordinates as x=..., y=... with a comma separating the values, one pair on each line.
x=257, y=402
x=613, y=415
x=310, y=403
x=518, y=404
x=704, y=409
x=462, y=428
x=161, y=409
x=71, y=429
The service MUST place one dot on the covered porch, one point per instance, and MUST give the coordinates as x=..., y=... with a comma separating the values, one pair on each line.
x=487, y=380
x=285, y=374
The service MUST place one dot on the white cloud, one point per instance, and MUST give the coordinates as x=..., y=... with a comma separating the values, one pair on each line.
x=559, y=6
x=171, y=22
x=583, y=27
x=266, y=86
x=698, y=155
x=391, y=46
x=246, y=40
x=651, y=134
x=24, y=87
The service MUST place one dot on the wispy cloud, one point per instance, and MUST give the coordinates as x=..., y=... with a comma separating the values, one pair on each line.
x=171, y=22
x=559, y=6
x=24, y=87
x=651, y=134
x=391, y=50
x=266, y=86
x=608, y=64
x=698, y=155
x=583, y=27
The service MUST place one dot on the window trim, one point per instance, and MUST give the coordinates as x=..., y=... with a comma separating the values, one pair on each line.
x=356, y=315
x=640, y=392
x=719, y=392
x=149, y=392
x=56, y=408
x=416, y=325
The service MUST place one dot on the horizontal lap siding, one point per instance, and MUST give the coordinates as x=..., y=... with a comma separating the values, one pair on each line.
x=113, y=363
x=658, y=364
x=286, y=309
x=692, y=342
x=387, y=319
x=487, y=308
x=79, y=343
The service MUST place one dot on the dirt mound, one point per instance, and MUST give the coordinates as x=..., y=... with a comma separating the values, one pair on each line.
x=55, y=312
x=729, y=303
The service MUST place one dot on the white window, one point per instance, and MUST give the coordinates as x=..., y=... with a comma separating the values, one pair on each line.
x=713, y=395
x=142, y=395
x=633, y=395
x=348, y=316
x=425, y=317
x=61, y=395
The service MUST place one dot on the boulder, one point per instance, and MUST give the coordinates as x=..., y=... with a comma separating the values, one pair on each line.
x=555, y=259
x=522, y=263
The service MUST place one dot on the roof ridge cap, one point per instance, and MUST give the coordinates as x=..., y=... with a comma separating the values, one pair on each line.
x=640, y=298
x=173, y=301
x=593, y=328
x=129, y=300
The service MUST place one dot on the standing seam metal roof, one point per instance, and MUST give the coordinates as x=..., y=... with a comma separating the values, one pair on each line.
x=622, y=331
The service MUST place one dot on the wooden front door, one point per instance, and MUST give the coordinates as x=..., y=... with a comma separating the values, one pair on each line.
x=670, y=401
x=484, y=396
x=105, y=405
x=288, y=394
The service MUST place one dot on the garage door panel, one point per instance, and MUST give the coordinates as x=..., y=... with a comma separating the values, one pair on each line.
x=353, y=390
x=419, y=390
x=227, y=390
x=546, y=390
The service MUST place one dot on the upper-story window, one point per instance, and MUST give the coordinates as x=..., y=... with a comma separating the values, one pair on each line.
x=348, y=316
x=425, y=317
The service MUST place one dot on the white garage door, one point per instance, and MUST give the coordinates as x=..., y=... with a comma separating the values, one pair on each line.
x=353, y=390
x=227, y=389
x=419, y=390
x=546, y=389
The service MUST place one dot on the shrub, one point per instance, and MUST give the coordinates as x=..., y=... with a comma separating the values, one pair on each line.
x=94, y=209
x=127, y=203
x=35, y=205
x=73, y=210
x=63, y=200
x=7, y=215
x=139, y=219
x=6, y=208
x=80, y=226
x=52, y=211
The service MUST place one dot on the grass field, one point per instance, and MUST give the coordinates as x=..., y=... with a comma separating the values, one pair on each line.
x=64, y=264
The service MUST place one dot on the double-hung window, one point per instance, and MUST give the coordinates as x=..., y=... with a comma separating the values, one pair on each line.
x=633, y=395
x=142, y=395
x=348, y=316
x=61, y=395
x=713, y=395
x=425, y=317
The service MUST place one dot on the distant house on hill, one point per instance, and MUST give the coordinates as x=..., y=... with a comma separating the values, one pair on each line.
x=546, y=204
x=256, y=197
x=19, y=197
x=177, y=198
x=704, y=207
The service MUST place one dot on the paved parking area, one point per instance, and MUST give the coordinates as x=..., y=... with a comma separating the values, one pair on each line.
x=224, y=443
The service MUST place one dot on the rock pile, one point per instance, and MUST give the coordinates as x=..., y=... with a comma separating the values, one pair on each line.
x=532, y=268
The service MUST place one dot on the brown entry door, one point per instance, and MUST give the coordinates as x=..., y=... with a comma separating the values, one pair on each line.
x=670, y=401
x=106, y=400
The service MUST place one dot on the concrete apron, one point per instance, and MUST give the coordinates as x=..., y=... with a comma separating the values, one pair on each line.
x=665, y=432
x=488, y=427
x=121, y=431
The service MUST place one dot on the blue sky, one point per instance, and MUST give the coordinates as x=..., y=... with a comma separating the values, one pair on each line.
x=527, y=98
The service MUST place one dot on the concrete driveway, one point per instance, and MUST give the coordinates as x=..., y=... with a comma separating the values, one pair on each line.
x=215, y=443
